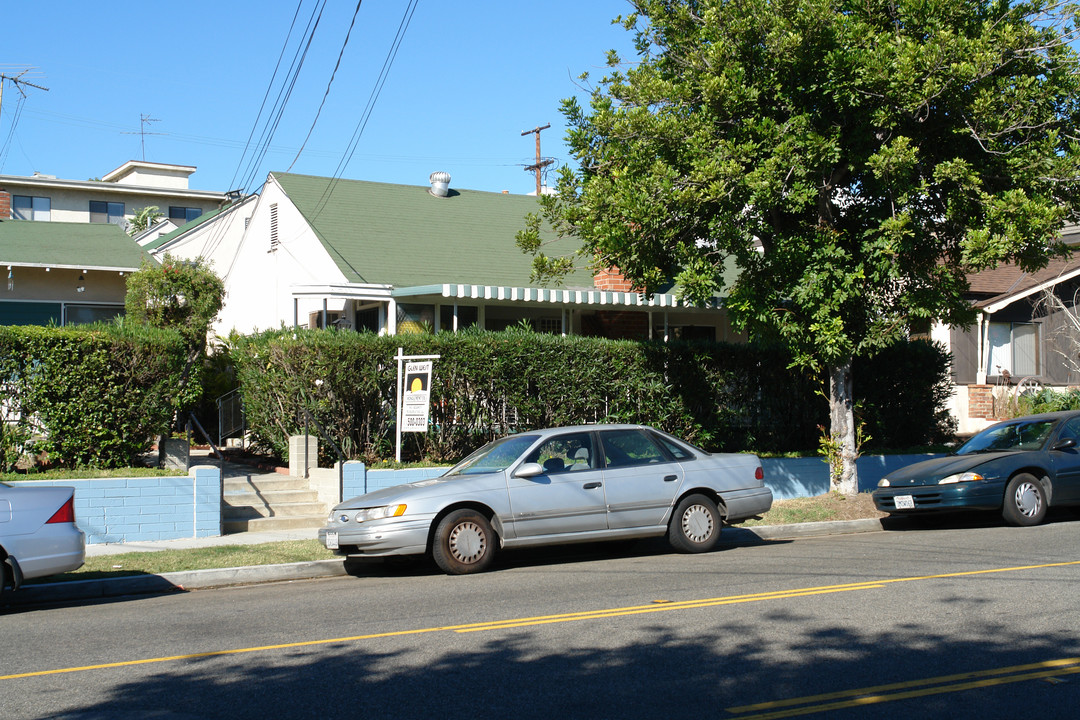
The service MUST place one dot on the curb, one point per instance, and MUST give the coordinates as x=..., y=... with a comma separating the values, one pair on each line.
x=254, y=574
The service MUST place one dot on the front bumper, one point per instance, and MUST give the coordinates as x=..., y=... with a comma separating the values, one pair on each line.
x=379, y=539
x=981, y=495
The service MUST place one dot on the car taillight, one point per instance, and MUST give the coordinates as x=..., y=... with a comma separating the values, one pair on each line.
x=759, y=474
x=66, y=513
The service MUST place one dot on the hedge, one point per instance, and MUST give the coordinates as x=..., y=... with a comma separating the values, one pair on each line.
x=486, y=384
x=91, y=396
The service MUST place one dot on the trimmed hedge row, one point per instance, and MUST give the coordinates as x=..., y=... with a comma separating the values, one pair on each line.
x=485, y=384
x=91, y=396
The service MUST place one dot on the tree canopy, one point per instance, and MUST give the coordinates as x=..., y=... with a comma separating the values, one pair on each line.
x=854, y=159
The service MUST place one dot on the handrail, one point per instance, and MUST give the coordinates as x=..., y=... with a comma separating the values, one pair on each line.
x=340, y=455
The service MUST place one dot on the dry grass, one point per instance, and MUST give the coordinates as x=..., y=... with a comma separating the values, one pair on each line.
x=830, y=506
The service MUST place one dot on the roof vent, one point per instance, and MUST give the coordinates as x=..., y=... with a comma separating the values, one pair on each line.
x=440, y=183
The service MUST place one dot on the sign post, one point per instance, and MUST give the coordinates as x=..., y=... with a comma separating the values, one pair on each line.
x=413, y=394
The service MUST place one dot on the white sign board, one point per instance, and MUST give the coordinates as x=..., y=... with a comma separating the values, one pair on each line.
x=416, y=396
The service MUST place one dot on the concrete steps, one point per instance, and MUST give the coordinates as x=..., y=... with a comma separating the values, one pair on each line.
x=270, y=501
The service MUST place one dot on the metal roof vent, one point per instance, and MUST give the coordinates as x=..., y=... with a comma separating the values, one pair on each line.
x=440, y=183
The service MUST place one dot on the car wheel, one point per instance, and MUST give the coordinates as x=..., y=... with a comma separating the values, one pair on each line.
x=1025, y=501
x=464, y=543
x=695, y=525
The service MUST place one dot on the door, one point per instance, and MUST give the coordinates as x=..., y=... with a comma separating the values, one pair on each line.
x=1067, y=465
x=568, y=497
x=640, y=481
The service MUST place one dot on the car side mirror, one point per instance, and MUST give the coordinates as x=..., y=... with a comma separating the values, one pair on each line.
x=528, y=470
x=1065, y=444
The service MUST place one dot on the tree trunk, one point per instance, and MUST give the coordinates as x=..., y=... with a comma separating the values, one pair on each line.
x=843, y=476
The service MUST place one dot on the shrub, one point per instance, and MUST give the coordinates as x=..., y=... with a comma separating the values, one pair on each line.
x=91, y=396
x=486, y=384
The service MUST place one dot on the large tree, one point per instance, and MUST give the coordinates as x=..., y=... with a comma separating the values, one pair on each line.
x=855, y=159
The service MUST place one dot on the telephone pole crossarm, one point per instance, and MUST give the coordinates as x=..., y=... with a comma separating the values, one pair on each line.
x=541, y=163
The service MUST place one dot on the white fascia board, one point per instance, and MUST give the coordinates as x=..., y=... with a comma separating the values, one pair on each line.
x=1004, y=301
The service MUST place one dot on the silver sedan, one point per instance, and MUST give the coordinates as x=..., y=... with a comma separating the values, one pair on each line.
x=560, y=485
x=38, y=536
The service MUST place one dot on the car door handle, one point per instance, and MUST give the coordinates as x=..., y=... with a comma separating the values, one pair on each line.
x=591, y=486
x=671, y=478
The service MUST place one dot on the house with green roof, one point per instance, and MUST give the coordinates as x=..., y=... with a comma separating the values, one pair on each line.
x=67, y=273
x=318, y=251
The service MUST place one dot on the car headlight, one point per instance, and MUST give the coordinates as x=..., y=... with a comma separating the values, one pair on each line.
x=378, y=513
x=961, y=477
x=883, y=482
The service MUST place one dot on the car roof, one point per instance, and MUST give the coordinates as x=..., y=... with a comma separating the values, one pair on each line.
x=585, y=428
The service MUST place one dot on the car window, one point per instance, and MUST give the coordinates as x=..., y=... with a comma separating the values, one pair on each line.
x=1023, y=435
x=1071, y=429
x=629, y=447
x=565, y=453
x=494, y=457
x=677, y=450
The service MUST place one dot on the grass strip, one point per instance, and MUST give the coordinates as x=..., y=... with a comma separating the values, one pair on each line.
x=208, y=558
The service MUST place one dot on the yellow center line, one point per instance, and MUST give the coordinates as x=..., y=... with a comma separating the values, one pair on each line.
x=911, y=689
x=548, y=619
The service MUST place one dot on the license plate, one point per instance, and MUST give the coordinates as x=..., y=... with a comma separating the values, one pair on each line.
x=904, y=502
x=331, y=541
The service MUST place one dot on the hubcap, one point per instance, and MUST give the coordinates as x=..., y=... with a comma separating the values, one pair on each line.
x=467, y=542
x=697, y=523
x=1027, y=499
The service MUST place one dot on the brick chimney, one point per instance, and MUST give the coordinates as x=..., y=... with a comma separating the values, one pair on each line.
x=611, y=280
x=5, y=205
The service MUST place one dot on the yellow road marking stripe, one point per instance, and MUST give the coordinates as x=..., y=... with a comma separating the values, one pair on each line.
x=863, y=700
x=548, y=619
x=1061, y=663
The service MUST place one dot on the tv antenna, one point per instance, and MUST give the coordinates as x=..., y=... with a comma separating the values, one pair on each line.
x=143, y=120
x=541, y=162
x=18, y=82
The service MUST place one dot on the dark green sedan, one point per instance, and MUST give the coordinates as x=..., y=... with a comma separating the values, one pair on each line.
x=1019, y=467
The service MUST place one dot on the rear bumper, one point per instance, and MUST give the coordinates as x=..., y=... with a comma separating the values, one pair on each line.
x=986, y=495
x=50, y=551
x=742, y=504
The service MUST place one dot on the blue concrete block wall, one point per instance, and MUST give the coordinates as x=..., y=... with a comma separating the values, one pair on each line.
x=786, y=477
x=116, y=510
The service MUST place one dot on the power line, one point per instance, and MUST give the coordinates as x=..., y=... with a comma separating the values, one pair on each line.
x=326, y=93
x=358, y=131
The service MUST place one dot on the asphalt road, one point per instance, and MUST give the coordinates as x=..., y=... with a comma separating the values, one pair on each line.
x=970, y=621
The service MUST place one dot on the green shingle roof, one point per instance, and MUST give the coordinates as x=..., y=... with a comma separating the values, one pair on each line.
x=86, y=245
x=190, y=225
x=402, y=235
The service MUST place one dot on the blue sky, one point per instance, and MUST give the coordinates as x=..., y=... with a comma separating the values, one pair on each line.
x=468, y=78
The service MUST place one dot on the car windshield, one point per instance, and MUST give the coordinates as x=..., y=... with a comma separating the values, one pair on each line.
x=496, y=456
x=1021, y=435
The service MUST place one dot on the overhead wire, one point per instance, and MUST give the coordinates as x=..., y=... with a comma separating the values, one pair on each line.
x=358, y=131
x=326, y=93
x=273, y=116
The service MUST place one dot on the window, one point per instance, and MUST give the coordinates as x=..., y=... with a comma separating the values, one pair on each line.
x=85, y=314
x=274, y=240
x=183, y=214
x=1013, y=347
x=25, y=207
x=565, y=453
x=106, y=212
x=413, y=318
x=629, y=447
x=466, y=317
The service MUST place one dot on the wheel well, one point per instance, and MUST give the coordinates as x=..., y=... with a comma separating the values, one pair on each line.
x=709, y=493
x=1042, y=476
x=477, y=506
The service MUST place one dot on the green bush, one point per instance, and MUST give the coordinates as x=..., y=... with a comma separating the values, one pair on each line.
x=92, y=396
x=486, y=384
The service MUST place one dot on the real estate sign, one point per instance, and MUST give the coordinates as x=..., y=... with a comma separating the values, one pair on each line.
x=415, y=400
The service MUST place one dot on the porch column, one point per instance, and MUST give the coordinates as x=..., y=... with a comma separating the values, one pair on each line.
x=980, y=371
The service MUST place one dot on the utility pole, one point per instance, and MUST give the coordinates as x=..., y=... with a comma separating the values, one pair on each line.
x=143, y=119
x=18, y=82
x=541, y=163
